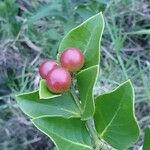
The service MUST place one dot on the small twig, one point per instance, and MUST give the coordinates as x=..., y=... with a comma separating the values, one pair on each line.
x=32, y=141
x=93, y=133
x=32, y=45
x=19, y=33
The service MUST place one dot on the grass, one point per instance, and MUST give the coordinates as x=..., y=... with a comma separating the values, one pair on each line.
x=31, y=31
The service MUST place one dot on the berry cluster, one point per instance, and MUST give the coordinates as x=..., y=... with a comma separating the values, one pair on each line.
x=57, y=76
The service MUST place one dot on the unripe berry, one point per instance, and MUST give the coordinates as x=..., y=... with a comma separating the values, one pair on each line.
x=72, y=59
x=45, y=67
x=58, y=80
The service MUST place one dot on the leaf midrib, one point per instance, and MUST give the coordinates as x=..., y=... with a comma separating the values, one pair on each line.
x=111, y=121
x=80, y=144
x=88, y=93
x=91, y=35
x=62, y=109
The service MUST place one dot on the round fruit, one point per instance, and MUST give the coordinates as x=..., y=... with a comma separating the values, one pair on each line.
x=58, y=80
x=72, y=59
x=45, y=67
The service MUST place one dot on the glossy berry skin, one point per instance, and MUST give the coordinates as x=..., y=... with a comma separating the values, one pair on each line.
x=72, y=59
x=58, y=80
x=45, y=67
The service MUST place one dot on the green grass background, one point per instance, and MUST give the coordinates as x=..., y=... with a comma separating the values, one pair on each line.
x=30, y=31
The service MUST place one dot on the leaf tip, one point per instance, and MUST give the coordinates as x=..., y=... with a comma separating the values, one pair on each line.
x=19, y=95
x=40, y=87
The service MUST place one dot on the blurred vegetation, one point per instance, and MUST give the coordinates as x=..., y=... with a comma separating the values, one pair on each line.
x=30, y=30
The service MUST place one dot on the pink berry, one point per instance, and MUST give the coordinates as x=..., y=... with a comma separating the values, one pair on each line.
x=45, y=67
x=58, y=80
x=72, y=59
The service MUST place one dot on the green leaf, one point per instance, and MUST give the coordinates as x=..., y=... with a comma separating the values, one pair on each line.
x=114, y=117
x=86, y=37
x=146, y=144
x=44, y=93
x=85, y=81
x=33, y=106
x=67, y=134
